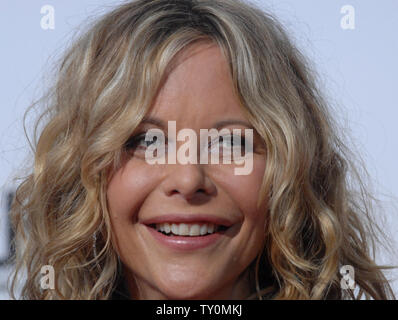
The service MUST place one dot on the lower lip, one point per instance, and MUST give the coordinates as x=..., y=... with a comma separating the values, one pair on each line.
x=185, y=243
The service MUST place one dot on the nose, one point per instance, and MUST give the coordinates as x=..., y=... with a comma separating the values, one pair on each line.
x=190, y=182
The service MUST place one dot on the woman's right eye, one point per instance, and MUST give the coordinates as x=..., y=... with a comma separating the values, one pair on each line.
x=149, y=145
x=138, y=142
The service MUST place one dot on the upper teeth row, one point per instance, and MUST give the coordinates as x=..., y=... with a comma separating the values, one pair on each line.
x=183, y=229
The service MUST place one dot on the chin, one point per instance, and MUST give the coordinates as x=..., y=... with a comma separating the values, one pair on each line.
x=184, y=295
x=187, y=291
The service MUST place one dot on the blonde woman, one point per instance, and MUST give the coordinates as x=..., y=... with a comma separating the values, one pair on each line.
x=113, y=226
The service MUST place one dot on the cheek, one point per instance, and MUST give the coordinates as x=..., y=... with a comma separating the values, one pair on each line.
x=244, y=189
x=127, y=189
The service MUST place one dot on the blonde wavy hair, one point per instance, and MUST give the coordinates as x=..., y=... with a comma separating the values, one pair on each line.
x=319, y=213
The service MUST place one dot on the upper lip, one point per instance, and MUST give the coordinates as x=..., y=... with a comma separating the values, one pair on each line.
x=188, y=218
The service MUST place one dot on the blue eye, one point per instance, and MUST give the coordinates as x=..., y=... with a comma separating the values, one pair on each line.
x=139, y=141
x=231, y=141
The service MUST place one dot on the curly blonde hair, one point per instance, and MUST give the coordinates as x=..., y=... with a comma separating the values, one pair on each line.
x=316, y=220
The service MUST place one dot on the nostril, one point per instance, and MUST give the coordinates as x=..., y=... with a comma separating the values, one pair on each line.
x=173, y=192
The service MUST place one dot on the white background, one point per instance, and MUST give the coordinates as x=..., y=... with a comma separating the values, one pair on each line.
x=358, y=71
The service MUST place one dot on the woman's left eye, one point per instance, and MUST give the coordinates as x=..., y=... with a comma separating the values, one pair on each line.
x=232, y=141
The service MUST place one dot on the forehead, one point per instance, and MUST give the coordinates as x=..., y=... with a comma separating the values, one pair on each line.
x=198, y=88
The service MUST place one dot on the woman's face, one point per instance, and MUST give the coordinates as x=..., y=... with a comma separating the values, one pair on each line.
x=197, y=94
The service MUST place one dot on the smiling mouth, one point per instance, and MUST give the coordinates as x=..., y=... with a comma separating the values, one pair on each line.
x=188, y=229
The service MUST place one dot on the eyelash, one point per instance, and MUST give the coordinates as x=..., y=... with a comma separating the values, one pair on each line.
x=231, y=139
x=133, y=142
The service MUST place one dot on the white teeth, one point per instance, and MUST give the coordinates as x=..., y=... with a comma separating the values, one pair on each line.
x=203, y=230
x=184, y=229
x=194, y=230
x=174, y=228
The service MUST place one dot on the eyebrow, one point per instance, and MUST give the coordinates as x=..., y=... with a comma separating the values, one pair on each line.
x=228, y=122
x=220, y=124
x=154, y=121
